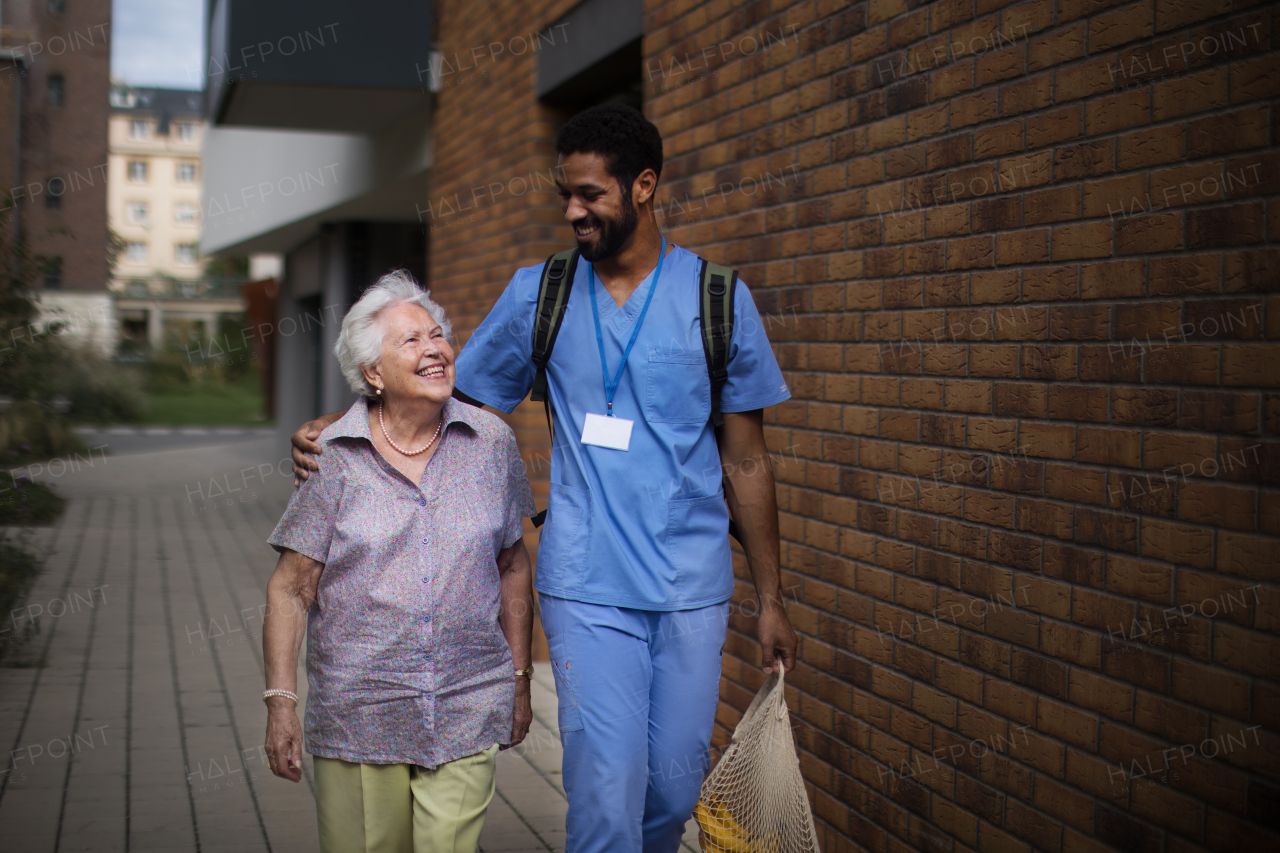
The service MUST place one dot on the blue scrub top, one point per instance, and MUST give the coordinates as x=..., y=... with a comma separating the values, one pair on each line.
x=644, y=528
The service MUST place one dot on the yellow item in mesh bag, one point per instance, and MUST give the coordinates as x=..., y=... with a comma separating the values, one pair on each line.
x=754, y=800
x=720, y=833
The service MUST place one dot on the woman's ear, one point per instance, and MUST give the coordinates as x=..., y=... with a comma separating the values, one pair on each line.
x=373, y=375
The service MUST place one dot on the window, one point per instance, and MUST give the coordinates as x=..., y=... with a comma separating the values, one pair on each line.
x=53, y=272
x=136, y=213
x=53, y=190
x=135, y=253
x=186, y=173
x=122, y=96
x=184, y=253
x=56, y=90
x=184, y=214
x=139, y=129
x=57, y=7
x=138, y=171
x=186, y=131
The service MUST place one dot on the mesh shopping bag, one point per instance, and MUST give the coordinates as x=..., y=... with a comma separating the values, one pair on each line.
x=754, y=800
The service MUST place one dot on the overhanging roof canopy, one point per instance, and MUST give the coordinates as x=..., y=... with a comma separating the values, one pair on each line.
x=322, y=65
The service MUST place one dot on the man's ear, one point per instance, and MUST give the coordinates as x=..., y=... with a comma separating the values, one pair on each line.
x=644, y=186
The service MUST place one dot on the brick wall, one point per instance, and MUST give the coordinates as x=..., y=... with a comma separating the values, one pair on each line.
x=491, y=130
x=1018, y=261
x=67, y=142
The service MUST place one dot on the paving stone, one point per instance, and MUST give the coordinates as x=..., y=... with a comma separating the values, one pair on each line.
x=146, y=663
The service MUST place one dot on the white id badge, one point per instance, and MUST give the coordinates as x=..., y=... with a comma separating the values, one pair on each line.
x=613, y=433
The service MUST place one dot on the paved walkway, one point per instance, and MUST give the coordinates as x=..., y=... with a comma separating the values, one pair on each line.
x=130, y=690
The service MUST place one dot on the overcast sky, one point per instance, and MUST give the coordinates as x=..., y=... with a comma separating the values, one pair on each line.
x=158, y=42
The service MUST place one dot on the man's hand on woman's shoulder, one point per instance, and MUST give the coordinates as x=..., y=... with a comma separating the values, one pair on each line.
x=305, y=447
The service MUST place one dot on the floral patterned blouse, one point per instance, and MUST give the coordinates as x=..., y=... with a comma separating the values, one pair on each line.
x=406, y=661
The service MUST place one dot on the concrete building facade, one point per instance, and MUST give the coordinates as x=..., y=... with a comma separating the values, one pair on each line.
x=318, y=150
x=153, y=204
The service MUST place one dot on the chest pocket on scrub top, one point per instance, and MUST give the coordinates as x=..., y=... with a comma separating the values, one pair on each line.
x=678, y=390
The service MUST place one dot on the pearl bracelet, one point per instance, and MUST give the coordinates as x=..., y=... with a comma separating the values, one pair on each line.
x=267, y=694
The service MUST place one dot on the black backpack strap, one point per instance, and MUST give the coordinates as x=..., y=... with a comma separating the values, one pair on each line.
x=716, y=286
x=553, y=296
x=715, y=301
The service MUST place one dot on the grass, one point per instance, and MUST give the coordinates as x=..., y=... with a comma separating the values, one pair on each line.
x=207, y=404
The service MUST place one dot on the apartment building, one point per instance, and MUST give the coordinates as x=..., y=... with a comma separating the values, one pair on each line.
x=54, y=72
x=1018, y=261
x=153, y=204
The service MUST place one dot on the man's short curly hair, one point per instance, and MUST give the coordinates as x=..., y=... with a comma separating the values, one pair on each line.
x=628, y=141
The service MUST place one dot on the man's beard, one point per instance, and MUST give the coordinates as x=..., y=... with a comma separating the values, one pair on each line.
x=612, y=234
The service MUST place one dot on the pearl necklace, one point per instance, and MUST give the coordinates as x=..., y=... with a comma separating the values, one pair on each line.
x=425, y=447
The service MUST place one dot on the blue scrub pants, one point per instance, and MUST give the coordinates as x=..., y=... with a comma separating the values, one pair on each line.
x=638, y=691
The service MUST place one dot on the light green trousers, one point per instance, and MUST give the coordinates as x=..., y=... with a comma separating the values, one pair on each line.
x=403, y=808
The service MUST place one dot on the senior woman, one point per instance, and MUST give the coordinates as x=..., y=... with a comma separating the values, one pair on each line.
x=402, y=562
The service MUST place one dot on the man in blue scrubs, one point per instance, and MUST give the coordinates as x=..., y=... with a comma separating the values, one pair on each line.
x=634, y=570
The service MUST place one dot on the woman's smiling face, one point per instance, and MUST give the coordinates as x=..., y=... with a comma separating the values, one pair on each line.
x=417, y=360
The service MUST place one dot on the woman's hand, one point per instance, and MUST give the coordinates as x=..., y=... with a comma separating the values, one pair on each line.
x=290, y=593
x=516, y=617
x=284, y=739
x=522, y=712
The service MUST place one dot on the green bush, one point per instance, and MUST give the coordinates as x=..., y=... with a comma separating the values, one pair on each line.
x=100, y=390
x=45, y=380
x=168, y=372
x=24, y=503
x=18, y=567
x=30, y=431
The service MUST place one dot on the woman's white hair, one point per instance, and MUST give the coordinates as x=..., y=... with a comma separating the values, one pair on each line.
x=360, y=341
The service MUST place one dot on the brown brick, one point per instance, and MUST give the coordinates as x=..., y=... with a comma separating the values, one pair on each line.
x=1190, y=93
x=1117, y=112
x=1179, y=13
x=1177, y=543
x=1052, y=205
x=1055, y=126
x=1088, y=240
x=1115, y=196
x=1150, y=146
x=1186, y=274
x=1224, y=506
x=1110, y=698
x=1220, y=412
x=1140, y=578
x=1110, y=280
x=1066, y=723
x=1060, y=45
x=1084, y=160
x=1224, y=226
x=1140, y=233
x=1245, y=128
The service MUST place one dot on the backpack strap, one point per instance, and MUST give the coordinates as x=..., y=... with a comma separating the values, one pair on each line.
x=716, y=286
x=553, y=296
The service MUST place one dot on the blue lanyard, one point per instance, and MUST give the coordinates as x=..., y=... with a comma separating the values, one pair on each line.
x=610, y=387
